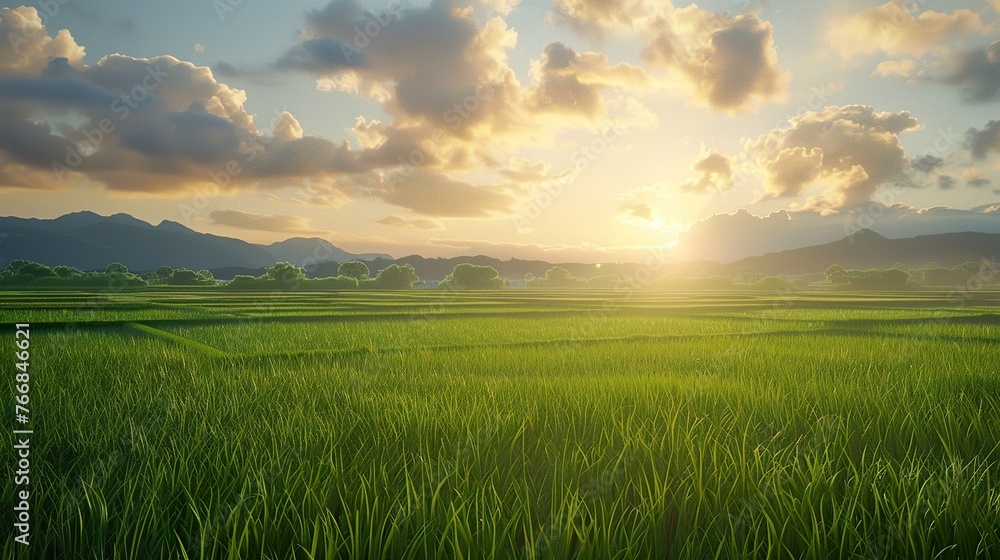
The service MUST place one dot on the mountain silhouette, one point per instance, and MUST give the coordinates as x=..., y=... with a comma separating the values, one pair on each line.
x=88, y=241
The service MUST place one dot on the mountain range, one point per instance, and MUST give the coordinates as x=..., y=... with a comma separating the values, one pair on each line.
x=88, y=241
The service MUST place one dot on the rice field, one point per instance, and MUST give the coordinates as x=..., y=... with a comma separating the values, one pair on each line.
x=513, y=424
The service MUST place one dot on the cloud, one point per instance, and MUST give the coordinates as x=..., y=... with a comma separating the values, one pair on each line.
x=526, y=172
x=974, y=177
x=322, y=55
x=899, y=68
x=263, y=222
x=977, y=73
x=727, y=61
x=571, y=84
x=26, y=46
x=602, y=15
x=927, y=163
x=445, y=82
x=199, y=48
x=729, y=237
x=165, y=126
x=419, y=223
x=715, y=173
x=433, y=194
x=502, y=7
x=983, y=141
x=946, y=182
x=852, y=149
x=894, y=29
x=287, y=128
x=641, y=214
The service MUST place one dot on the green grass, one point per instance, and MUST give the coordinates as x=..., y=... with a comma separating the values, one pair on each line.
x=563, y=426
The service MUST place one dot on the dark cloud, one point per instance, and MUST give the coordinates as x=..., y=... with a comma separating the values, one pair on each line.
x=977, y=73
x=946, y=182
x=322, y=55
x=927, y=163
x=715, y=173
x=983, y=141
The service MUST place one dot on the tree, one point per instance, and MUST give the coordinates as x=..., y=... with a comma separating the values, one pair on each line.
x=66, y=271
x=746, y=274
x=116, y=268
x=354, y=269
x=285, y=274
x=162, y=273
x=395, y=277
x=184, y=277
x=206, y=274
x=21, y=267
x=837, y=275
x=467, y=276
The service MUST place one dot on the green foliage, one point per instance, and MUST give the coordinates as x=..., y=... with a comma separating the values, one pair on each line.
x=67, y=272
x=557, y=277
x=27, y=273
x=285, y=275
x=467, y=276
x=395, y=277
x=837, y=275
x=354, y=269
x=116, y=268
x=747, y=275
x=330, y=283
x=185, y=277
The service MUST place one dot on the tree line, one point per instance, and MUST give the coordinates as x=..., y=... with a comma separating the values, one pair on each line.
x=356, y=275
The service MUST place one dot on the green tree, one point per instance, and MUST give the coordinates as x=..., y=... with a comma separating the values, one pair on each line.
x=116, y=268
x=29, y=269
x=354, y=269
x=183, y=277
x=467, y=276
x=395, y=277
x=285, y=274
x=67, y=272
x=163, y=272
x=746, y=274
x=837, y=275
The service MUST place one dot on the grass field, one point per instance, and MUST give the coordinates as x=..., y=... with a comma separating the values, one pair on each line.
x=514, y=424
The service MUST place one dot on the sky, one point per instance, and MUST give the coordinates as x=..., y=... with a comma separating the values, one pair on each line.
x=583, y=130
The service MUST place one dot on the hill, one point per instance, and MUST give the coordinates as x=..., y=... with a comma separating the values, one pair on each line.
x=88, y=241
x=867, y=249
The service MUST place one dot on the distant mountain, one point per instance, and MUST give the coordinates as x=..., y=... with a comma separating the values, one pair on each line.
x=88, y=241
x=314, y=249
x=867, y=249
